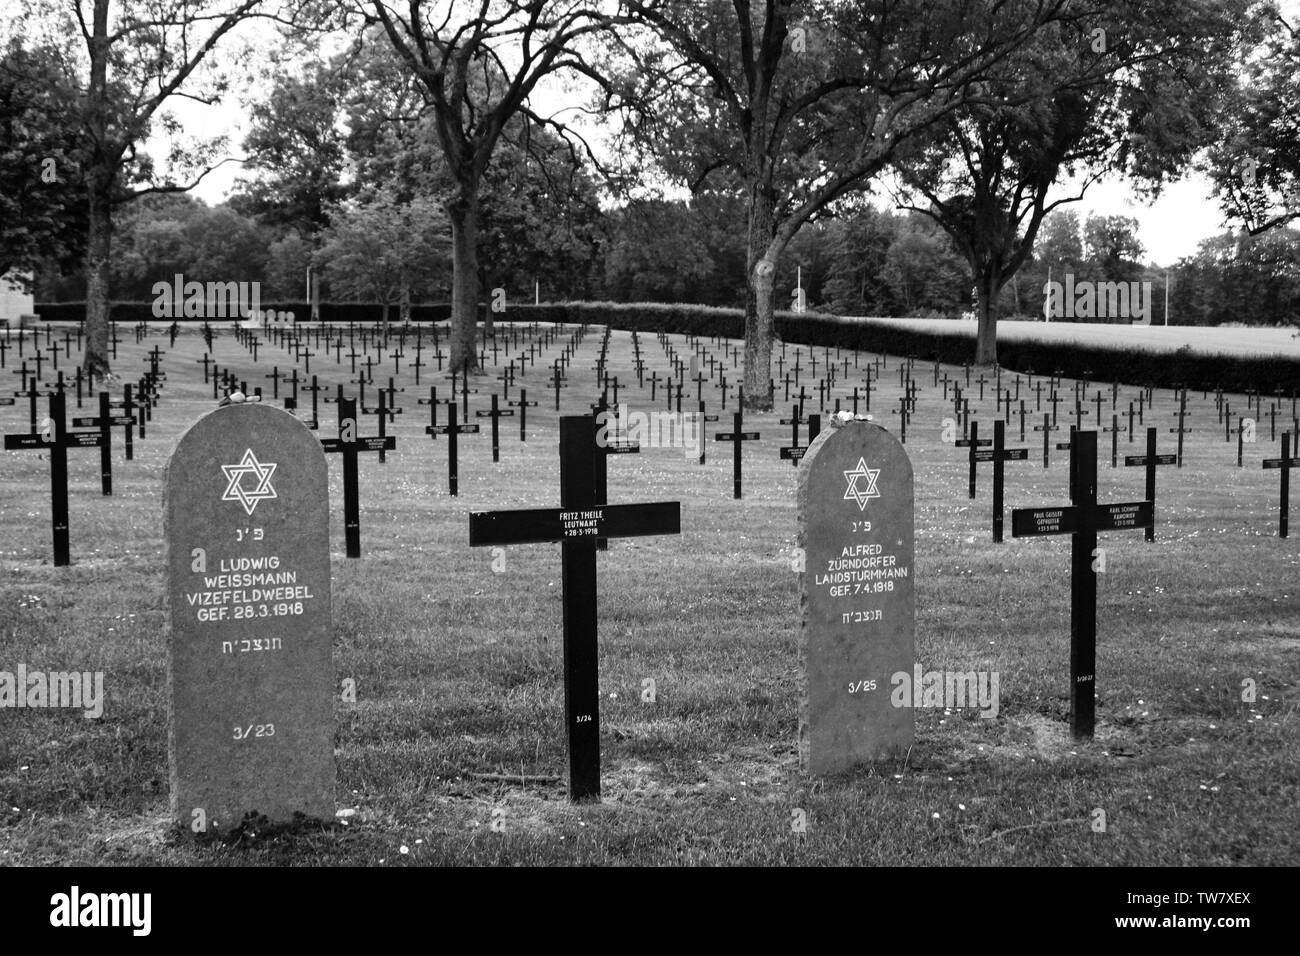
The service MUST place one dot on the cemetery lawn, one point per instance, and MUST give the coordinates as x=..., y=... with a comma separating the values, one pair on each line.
x=457, y=666
x=1208, y=340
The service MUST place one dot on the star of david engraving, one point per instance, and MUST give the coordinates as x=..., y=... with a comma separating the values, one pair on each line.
x=261, y=474
x=860, y=495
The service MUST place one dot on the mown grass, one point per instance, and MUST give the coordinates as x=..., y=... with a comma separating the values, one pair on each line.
x=458, y=667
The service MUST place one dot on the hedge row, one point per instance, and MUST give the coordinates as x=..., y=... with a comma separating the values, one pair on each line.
x=1133, y=366
x=1183, y=367
x=129, y=313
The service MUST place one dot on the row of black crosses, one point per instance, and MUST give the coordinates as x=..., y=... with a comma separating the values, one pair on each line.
x=702, y=355
x=584, y=522
x=452, y=428
x=52, y=435
x=301, y=342
x=1083, y=519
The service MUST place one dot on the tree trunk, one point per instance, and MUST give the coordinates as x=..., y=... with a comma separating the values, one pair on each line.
x=760, y=308
x=315, y=295
x=98, y=249
x=986, y=335
x=489, y=296
x=101, y=176
x=462, y=210
x=404, y=299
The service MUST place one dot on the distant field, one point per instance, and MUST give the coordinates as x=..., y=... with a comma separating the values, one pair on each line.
x=1156, y=338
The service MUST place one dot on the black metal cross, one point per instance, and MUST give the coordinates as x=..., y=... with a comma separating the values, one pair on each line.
x=557, y=380
x=348, y=444
x=495, y=414
x=104, y=421
x=55, y=439
x=1150, y=460
x=276, y=376
x=451, y=430
x=999, y=454
x=1115, y=429
x=974, y=443
x=577, y=525
x=523, y=404
x=383, y=416
x=1082, y=520
x=1285, y=464
x=315, y=389
x=1181, y=430
x=794, y=453
x=736, y=436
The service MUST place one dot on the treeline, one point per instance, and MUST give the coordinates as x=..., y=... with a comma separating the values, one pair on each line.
x=413, y=162
x=868, y=262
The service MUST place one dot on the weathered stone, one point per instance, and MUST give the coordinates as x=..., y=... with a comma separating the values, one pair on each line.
x=857, y=535
x=250, y=672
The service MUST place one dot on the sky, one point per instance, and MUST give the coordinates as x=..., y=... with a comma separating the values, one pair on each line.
x=1169, y=228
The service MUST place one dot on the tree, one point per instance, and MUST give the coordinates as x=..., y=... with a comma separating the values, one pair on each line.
x=538, y=208
x=640, y=265
x=924, y=272
x=803, y=103
x=376, y=247
x=1114, y=251
x=860, y=247
x=295, y=147
x=133, y=63
x=41, y=217
x=476, y=72
x=1082, y=96
x=1254, y=163
x=539, y=217
x=287, y=262
x=161, y=235
x=1060, y=241
x=1239, y=278
x=1058, y=249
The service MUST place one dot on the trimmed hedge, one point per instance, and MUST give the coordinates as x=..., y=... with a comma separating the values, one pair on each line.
x=1133, y=366
x=129, y=313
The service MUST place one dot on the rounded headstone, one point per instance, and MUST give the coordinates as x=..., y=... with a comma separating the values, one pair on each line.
x=251, y=678
x=858, y=618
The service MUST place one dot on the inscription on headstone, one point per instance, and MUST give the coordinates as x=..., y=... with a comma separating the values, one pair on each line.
x=857, y=535
x=250, y=672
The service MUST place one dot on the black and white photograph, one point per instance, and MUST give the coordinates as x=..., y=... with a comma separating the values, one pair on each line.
x=772, y=434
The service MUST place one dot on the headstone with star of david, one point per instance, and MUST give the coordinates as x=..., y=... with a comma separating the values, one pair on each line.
x=857, y=535
x=251, y=678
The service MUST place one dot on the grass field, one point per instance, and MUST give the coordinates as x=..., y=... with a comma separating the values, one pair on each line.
x=458, y=668
x=1154, y=338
